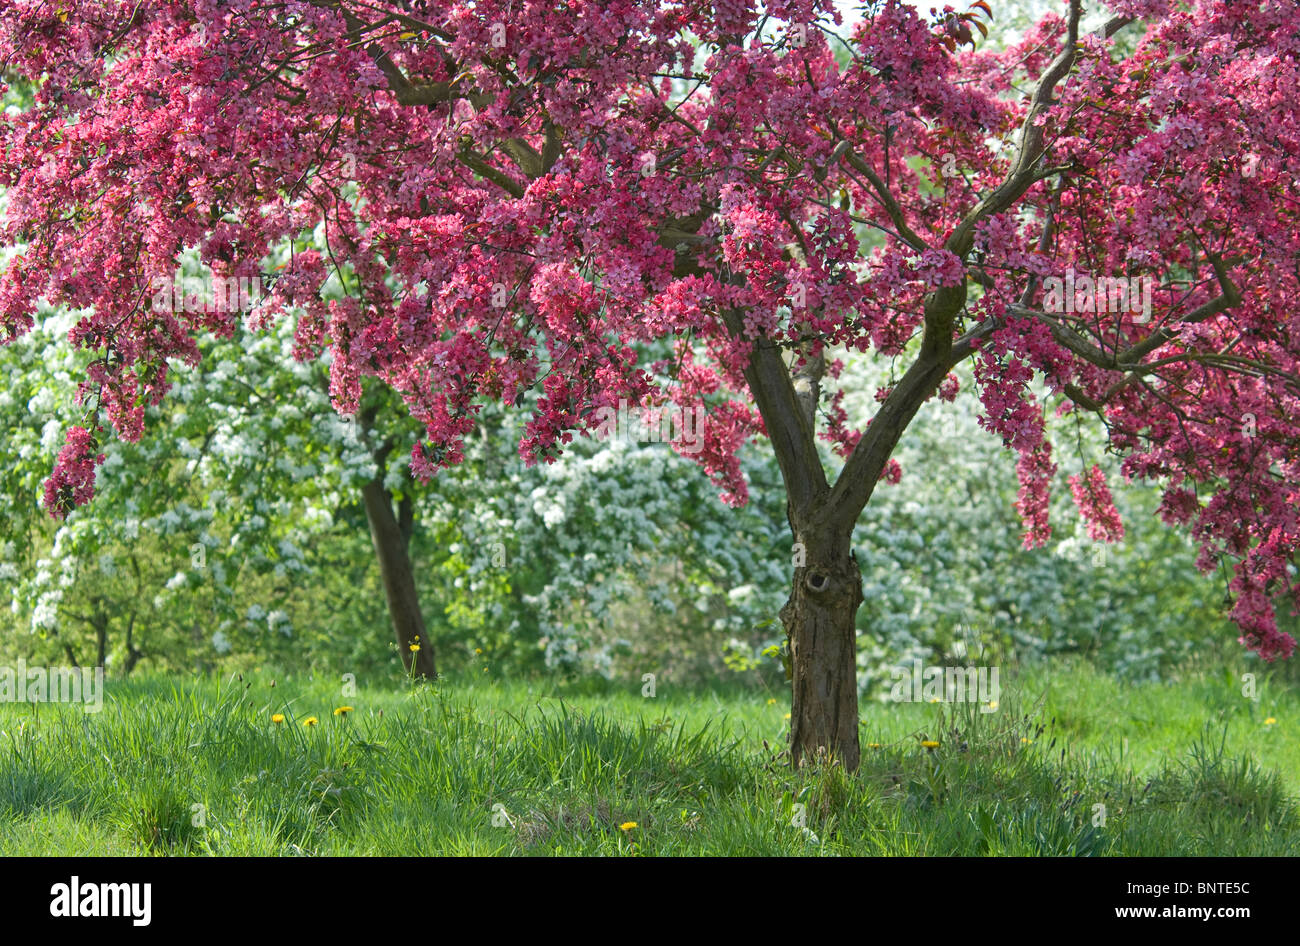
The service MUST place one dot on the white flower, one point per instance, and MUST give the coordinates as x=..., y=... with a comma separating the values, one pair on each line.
x=42, y=402
x=220, y=643
x=46, y=613
x=51, y=435
x=741, y=595
x=279, y=621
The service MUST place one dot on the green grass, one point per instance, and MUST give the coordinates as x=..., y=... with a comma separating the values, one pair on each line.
x=1183, y=768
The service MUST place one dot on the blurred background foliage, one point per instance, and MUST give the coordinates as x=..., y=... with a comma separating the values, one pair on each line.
x=232, y=535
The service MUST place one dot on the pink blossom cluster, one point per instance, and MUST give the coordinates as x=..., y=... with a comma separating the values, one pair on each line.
x=1092, y=496
x=73, y=481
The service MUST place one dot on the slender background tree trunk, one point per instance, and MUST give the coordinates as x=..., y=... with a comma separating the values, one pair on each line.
x=392, y=549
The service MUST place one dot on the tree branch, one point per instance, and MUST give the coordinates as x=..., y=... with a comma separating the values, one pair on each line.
x=788, y=426
x=857, y=480
x=1022, y=174
x=887, y=199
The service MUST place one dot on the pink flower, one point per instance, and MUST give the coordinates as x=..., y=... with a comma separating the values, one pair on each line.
x=72, y=483
x=1093, y=498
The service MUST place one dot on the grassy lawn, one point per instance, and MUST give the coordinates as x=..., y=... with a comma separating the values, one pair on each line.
x=1188, y=767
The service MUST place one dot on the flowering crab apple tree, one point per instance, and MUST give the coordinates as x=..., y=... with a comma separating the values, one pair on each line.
x=521, y=194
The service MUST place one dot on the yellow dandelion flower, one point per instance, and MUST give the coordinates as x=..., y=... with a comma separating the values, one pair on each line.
x=342, y=710
x=993, y=704
x=771, y=701
x=414, y=648
x=277, y=718
x=934, y=699
x=627, y=826
x=1026, y=740
x=310, y=721
x=787, y=715
x=929, y=744
x=478, y=650
x=1270, y=721
x=873, y=745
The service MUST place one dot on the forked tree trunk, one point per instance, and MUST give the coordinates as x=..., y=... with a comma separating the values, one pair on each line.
x=820, y=621
x=786, y=386
x=392, y=550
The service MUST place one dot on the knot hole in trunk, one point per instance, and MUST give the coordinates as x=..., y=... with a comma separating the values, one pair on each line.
x=816, y=582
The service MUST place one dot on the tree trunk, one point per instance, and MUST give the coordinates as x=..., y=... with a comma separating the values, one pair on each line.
x=393, y=552
x=101, y=638
x=820, y=621
x=133, y=654
x=819, y=617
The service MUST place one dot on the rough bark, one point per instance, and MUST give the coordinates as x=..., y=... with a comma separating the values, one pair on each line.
x=392, y=551
x=820, y=621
